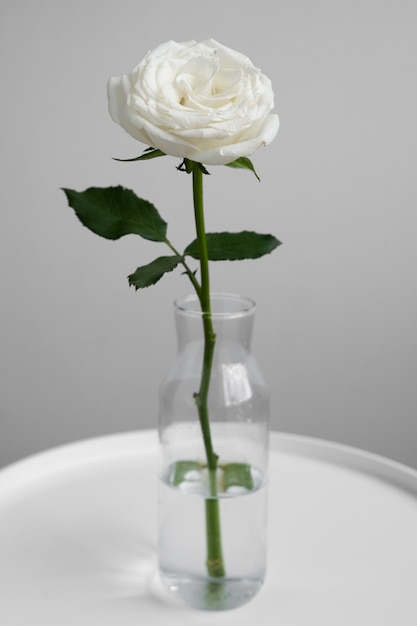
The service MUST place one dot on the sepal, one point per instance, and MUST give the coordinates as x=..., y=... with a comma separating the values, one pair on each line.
x=149, y=153
x=243, y=163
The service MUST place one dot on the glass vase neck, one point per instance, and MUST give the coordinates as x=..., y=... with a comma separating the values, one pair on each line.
x=232, y=317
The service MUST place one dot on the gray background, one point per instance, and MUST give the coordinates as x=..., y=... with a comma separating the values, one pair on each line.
x=81, y=353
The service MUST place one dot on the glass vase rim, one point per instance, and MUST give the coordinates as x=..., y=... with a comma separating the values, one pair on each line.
x=183, y=305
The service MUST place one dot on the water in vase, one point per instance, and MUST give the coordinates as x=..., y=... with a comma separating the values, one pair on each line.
x=241, y=493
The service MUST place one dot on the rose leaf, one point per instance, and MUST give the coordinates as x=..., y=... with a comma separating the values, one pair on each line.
x=148, y=275
x=234, y=246
x=113, y=212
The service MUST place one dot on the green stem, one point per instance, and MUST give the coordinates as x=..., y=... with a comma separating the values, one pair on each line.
x=215, y=567
x=188, y=271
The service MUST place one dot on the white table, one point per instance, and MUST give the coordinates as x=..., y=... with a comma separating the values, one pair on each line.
x=78, y=539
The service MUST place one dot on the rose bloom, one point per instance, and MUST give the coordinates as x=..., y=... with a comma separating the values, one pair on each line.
x=200, y=101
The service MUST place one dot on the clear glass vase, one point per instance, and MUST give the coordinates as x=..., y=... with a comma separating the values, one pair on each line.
x=212, y=524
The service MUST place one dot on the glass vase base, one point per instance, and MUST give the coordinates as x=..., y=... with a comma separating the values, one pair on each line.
x=212, y=594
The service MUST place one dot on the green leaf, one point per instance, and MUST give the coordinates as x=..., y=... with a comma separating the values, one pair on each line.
x=237, y=475
x=149, y=153
x=243, y=163
x=234, y=246
x=148, y=275
x=182, y=468
x=113, y=212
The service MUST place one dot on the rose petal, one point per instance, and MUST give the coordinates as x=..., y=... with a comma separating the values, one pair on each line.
x=227, y=154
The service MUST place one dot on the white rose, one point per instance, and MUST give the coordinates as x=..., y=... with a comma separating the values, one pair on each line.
x=200, y=101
